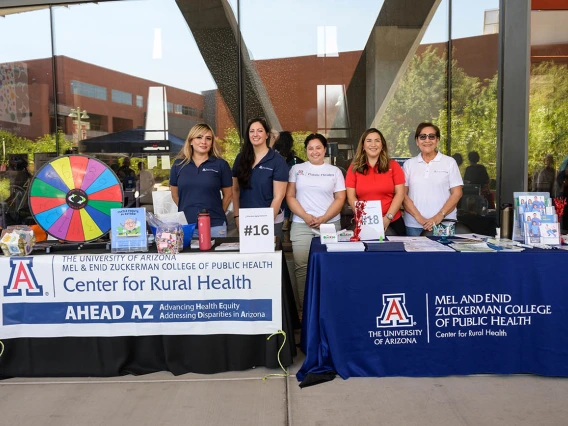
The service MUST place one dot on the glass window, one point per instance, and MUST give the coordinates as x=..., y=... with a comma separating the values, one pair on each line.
x=548, y=103
x=473, y=112
x=121, y=97
x=155, y=64
x=88, y=90
x=420, y=93
x=318, y=77
x=491, y=22
x=28, y=134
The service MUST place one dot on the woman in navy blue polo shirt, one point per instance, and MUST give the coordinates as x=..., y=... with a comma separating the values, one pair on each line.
x=199, y=176
x=260, y=175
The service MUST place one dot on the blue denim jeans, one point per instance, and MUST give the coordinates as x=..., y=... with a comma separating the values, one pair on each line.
x=413, y=232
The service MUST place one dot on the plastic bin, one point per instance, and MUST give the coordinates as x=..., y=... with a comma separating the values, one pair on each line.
x=187, y=233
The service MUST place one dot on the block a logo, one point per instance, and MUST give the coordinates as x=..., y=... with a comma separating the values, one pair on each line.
x=22, y=280
x=394, y=313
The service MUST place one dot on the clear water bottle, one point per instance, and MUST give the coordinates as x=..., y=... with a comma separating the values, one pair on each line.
x=204, y=229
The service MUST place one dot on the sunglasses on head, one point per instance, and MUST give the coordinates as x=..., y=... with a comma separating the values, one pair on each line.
x=430, y=136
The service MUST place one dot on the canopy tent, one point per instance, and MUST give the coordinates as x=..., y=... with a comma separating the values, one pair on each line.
x=133, y=141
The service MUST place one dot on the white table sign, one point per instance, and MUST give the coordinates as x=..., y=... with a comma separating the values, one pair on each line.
x=256, y=230
x=372, y=227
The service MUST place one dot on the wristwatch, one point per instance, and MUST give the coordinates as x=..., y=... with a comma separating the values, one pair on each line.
x=389, y=216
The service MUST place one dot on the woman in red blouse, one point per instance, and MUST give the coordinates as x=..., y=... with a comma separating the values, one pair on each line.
x=374, y=176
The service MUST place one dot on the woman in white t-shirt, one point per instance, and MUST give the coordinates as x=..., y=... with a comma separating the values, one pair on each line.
x=315, y=195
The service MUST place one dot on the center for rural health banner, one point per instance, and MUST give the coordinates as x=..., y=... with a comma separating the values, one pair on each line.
x=140, y=294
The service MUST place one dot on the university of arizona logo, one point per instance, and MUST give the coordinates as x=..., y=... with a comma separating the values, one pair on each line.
x=394, y=313
x=22, y=278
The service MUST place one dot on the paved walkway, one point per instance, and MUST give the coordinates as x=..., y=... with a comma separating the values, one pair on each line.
x=243, y=398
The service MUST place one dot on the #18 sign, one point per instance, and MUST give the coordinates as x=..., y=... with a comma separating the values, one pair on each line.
x=372, y=227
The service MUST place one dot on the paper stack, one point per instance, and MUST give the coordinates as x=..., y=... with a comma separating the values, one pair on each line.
x=336, y=247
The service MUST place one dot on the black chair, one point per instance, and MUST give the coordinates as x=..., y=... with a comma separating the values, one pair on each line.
x=390, y=231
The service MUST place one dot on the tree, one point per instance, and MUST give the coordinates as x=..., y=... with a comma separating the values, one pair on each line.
x=231, y=145
x=421, y=96
x=17, y=145
x=548, y=114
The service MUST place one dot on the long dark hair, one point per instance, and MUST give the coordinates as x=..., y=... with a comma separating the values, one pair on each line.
x=360, y=160
x=284, y=144
x=244, y=169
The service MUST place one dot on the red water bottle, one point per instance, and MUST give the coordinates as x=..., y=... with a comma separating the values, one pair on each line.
x=204, y=229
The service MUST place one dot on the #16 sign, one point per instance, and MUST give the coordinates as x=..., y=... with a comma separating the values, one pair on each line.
x=256, y=230
x=140, y=294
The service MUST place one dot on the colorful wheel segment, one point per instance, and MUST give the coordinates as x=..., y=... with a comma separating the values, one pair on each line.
x=71, y=197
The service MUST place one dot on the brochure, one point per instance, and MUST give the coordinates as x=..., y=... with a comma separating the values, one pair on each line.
x=478, y=247
x=128, y=230
x=550, y=233
x=526, y=204
x=532, y=233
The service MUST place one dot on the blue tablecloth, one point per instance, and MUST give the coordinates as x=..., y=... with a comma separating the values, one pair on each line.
x=435, y=314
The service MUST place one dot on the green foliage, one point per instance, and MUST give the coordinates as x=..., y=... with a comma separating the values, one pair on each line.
x=230, y=145
x=474, y=120
x=421, y=96
x=299, y=138
x=46, y=143
x=548, y=114
x=4, y=189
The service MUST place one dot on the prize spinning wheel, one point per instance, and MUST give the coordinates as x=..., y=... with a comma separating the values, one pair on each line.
x=71, y=197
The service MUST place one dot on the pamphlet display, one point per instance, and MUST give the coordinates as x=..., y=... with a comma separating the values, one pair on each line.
x=535, y=219
x=128, y=230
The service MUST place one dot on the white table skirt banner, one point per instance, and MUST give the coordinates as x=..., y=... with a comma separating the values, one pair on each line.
x=140, y=294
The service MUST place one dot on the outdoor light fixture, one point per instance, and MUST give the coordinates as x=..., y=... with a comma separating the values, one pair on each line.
x=78, y=114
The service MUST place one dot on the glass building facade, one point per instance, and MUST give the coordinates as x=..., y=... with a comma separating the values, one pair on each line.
x=332, y=66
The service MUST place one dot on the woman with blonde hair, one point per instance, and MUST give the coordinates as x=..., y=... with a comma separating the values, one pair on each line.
x=373, y=176
x=198, y=178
